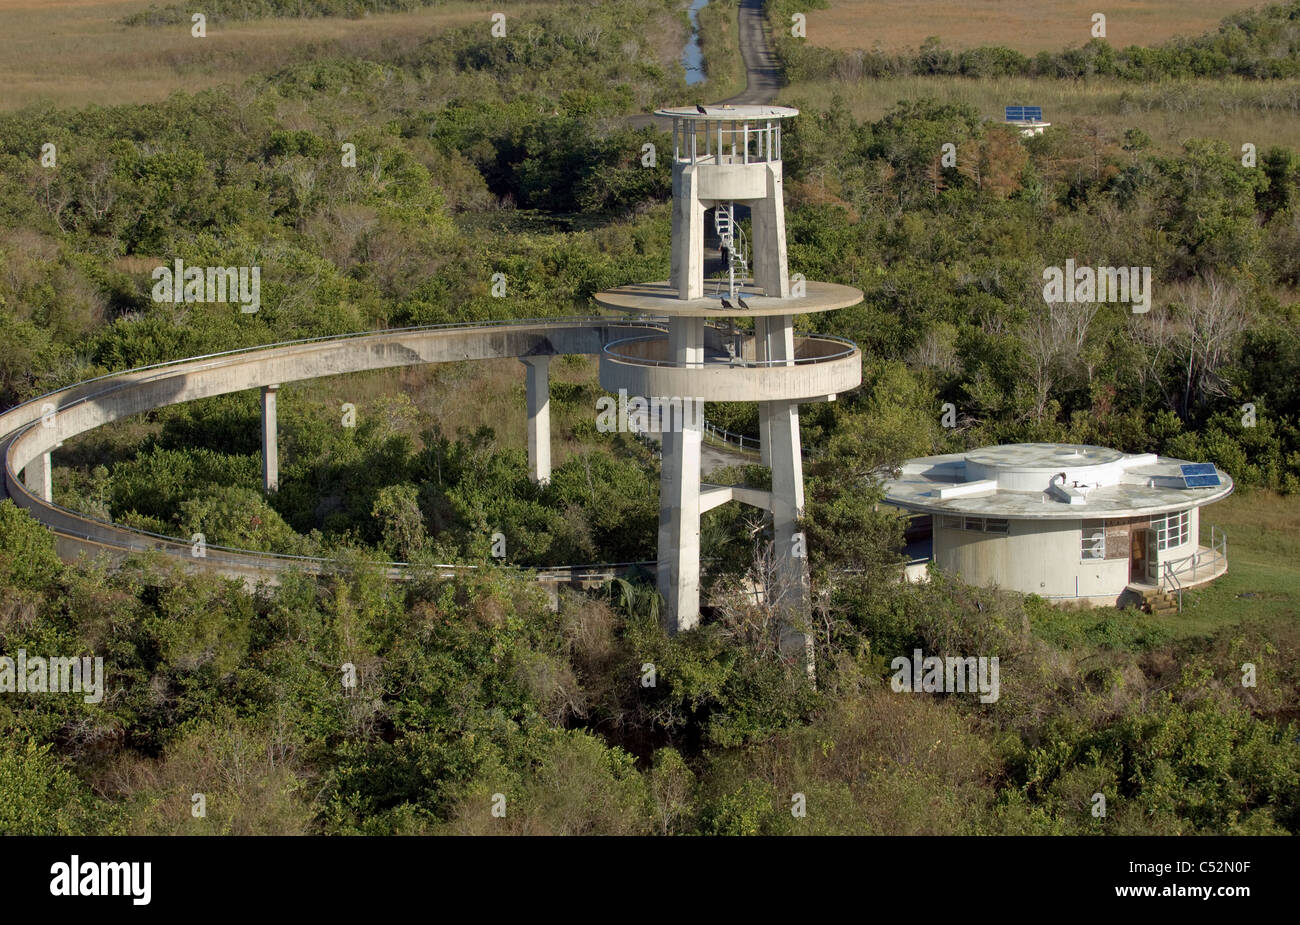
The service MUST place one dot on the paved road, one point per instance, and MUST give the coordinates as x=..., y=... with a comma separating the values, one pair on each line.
x=762, y=74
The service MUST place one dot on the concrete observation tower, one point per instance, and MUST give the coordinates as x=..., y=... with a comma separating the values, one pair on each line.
x=725, y=157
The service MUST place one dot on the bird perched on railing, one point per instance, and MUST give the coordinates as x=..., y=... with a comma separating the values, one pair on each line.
x=701, y=109
x=726, y=304
x=743, y=303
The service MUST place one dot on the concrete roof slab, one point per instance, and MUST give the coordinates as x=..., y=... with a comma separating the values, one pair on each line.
x=744, y=112
x=1102, y=483
x=660, y=298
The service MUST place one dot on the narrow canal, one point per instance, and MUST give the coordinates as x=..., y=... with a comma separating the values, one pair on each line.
x=692, y=58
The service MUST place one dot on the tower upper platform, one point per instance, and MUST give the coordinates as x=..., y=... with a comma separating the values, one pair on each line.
x=729, y=136
x=663, y=298
x=727, y=156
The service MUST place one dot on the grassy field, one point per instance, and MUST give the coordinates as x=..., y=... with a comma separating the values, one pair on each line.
x=1261, y=588
x=1235, y=111
x=74, y=52
x=1028, y=26
x=1263, y=580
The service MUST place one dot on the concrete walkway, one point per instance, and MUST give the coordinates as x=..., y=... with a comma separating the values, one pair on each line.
x=30, y=431
x=714, y=456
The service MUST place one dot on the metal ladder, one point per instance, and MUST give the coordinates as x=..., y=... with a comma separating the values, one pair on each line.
x=732, y=238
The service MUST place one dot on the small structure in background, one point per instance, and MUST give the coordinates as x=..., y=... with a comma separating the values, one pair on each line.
x=1064, y=521
x=1029, y=119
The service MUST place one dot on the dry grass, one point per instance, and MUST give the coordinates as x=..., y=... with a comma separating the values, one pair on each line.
x=1029, y=26
x=1232, y=110
x=1263, y=522
x=462, y=397
x=74, y=52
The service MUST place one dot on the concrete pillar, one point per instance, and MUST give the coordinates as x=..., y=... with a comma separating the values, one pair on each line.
x=679, y=493
x=270, y=440
x=790, y=546
x=787, y=478
x=767, y=216
x=539, y=418
x=38, y=476
x=762, y=354
x=688, y=234
x=786, y=453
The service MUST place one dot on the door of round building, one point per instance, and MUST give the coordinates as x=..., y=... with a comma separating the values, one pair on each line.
x=1138, y=555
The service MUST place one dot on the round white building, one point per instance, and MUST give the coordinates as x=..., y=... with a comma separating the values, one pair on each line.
x=1063, y=521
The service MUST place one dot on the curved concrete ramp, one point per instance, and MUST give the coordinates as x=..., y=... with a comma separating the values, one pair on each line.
x=31, y=430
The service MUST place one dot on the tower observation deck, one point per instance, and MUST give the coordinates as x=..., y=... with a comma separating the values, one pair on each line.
x=725, y=157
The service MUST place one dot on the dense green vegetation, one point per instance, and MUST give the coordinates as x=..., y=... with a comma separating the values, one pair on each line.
x=475, y=156
x=473, y=687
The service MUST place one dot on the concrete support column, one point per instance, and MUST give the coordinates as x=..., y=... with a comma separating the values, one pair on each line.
x=270, y=440
x=688, y=234
x=791, y=595
x=38, y=476
x=762, y=354
x=539, y=418
x=679, y=492
x=786, y=453
x=771, y=270
x=787, y=482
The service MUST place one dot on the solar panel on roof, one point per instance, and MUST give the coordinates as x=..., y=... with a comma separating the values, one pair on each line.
x=1024, y=113
x=1200, y=475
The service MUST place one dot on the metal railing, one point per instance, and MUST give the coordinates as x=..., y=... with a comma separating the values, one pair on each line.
x=758, y=142
x=1172, y=578
x=740, y=441
x=1202, y=561
x=649, y=442
x=719, y=434
x=279, y=561
x=746, y=443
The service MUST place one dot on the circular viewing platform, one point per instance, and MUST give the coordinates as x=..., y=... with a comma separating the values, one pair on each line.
x=660, y=298
x=731, y=369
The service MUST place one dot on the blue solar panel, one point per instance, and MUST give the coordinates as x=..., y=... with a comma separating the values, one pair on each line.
x=1200, y=475
x=1024, y=113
